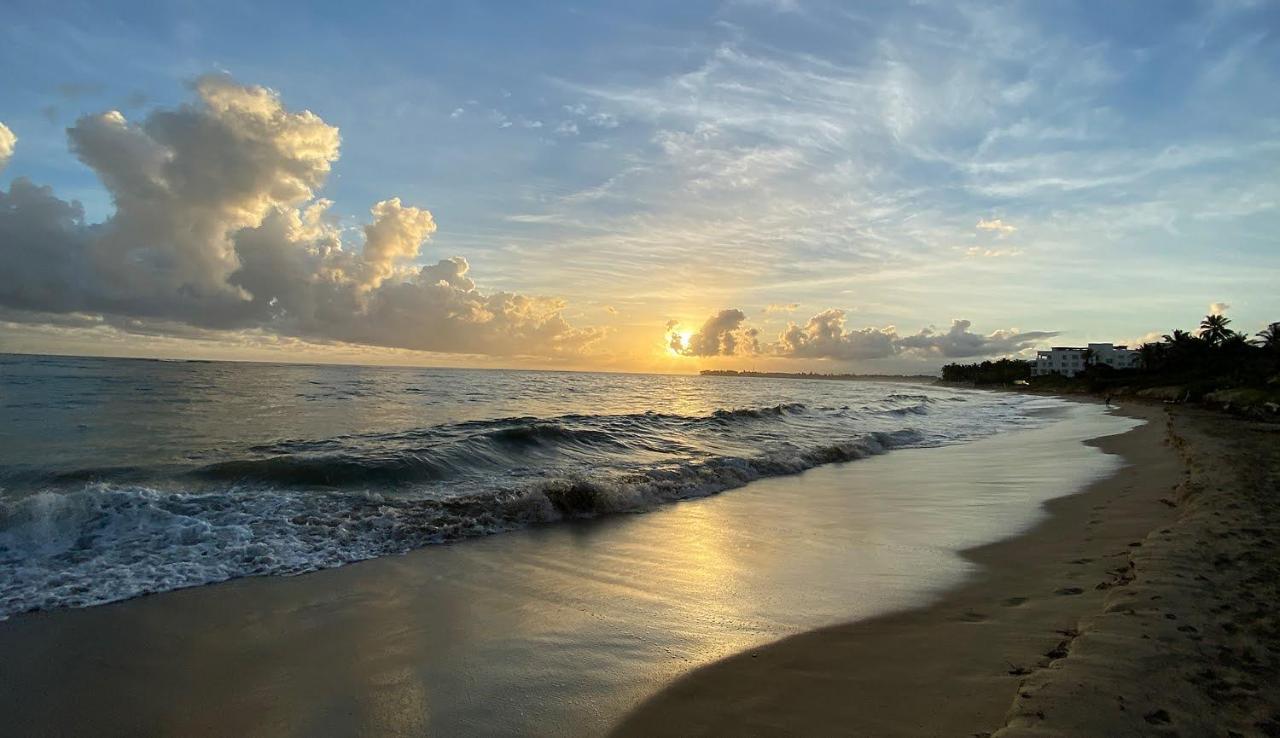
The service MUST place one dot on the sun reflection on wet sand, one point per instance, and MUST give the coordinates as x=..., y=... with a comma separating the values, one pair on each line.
x=558, y=629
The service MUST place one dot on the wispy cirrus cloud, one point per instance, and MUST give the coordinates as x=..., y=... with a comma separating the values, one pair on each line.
x=995, y=225
x=739, y=155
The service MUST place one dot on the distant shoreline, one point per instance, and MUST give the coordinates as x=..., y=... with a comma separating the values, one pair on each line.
x=813, y=375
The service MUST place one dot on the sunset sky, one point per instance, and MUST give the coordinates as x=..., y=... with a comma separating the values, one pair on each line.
x=787, y=185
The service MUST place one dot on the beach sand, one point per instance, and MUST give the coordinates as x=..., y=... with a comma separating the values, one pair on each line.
x=1145, y=605
x=564, y=630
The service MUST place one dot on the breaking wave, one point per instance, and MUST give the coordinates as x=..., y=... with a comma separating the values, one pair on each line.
x=86, y=536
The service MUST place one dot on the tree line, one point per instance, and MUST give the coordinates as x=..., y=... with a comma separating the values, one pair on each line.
x=1212, y=357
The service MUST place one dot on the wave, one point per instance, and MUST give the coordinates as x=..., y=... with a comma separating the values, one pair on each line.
x=105, y=542
x=777, y=411
x=432, y=454
x=461, y=450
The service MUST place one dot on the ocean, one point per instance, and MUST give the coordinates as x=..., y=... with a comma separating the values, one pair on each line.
x=123, y=477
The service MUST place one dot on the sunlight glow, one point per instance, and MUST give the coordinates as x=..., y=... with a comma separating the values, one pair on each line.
x=677, y=339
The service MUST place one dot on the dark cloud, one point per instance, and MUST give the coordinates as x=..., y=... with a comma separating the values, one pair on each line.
x=959, y=342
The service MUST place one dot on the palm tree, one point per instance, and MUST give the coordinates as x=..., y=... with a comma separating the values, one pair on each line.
x=1235, y=344
x=1183, y=350
x=1153, y=355
x=1269, y=337
x=1214, y=329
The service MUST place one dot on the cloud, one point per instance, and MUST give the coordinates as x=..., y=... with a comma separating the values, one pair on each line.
x=721, y=335
x=959, y=342
x=978, y=251
x=1148, y=337
x=999, y=226
x=775, y=307
x=395, y=236
x=603, y=120
x=218, y=227
x=1218, y=308
x=825, y=336
x=7, y=143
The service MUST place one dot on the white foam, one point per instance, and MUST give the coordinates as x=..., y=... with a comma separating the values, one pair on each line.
x=103, y=542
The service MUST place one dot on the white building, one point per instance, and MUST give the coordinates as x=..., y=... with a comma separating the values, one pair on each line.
x=1070, y=360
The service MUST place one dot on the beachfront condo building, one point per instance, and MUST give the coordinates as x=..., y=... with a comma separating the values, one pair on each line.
x=1071, y=360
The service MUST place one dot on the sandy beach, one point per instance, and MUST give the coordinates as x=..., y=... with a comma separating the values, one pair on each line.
x=736, y=368
x=1144, y=605
x=570, y=629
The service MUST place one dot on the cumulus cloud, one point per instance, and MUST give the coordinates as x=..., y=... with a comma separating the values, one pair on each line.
x=960, y=342
x=826, y=336
x=7, y=142
x=217, y=226
x=395, y=236
x=723, y=334
x=1218, y=308
x=995, y=224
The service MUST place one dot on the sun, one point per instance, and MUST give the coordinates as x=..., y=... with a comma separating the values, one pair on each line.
x=676, y=340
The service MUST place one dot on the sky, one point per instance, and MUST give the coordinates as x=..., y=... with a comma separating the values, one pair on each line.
x=789, y=185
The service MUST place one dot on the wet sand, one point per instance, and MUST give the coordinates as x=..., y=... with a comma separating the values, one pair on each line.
x=1188, y=641
x=564, y=629
x=1144, y=606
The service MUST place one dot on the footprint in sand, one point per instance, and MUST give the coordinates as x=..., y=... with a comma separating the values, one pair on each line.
x=1015, y=601
x=1070, y=591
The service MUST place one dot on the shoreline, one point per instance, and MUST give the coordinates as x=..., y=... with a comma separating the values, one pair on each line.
x=954, y=666
x=555, y=630
x=1144, y=604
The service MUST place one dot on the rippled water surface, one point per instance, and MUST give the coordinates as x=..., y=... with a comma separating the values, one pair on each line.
x=120, y=477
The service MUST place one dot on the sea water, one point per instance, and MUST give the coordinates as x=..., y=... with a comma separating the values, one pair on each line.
x=122, y=477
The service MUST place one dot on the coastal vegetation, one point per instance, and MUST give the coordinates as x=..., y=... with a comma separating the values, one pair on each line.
x=1003, y=371
x=1214, y=363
